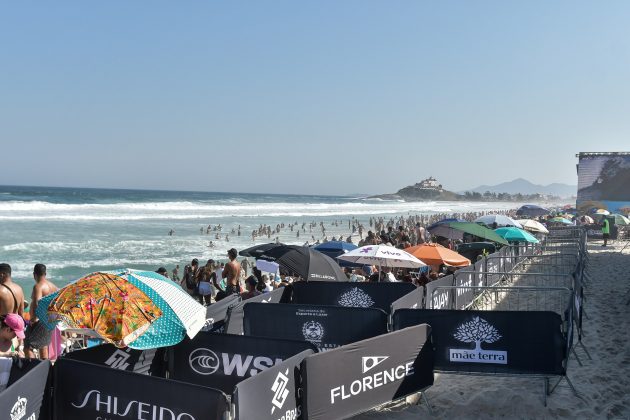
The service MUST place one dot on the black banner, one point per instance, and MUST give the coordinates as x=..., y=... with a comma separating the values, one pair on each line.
x=350, y=294
x=23, y=397
x=525, y=342
x=412, y=300
x=439, y=298
x=234, y=324
x=147, y=362
x=272, y=394
x=326, y=327
x=217, y=313
x=354, y=378
x=84, y=391
x=223, y=360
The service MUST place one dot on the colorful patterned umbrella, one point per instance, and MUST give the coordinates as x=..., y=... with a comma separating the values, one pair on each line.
x=139, y=309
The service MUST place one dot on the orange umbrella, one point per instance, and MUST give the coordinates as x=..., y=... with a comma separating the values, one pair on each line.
x=435, y=254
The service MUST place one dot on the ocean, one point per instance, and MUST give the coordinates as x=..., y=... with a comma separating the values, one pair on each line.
x=75, y=231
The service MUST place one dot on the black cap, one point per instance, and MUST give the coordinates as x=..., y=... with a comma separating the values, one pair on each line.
x=161, y=270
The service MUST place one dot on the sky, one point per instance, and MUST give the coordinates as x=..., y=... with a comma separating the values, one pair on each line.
x=309, y=97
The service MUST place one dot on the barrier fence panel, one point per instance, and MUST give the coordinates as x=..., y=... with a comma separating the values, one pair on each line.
x=234, y=323
x=274, y=394
x=86, y=391
x=217, y=313
x=326, y=327
x=26, y=389
x=351, y=294
x=357, y=377
x=439, y=293
x=412, y=300
x=506, y=342
x=147, y=362
x=223, y=360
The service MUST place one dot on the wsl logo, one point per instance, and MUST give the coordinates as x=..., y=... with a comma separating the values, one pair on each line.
x=206, y=362
x=355, y=298
x=477, y=331
x=203, y=361
x=313, y=331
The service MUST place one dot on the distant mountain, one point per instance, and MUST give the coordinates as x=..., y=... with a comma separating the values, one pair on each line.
x=523, y=186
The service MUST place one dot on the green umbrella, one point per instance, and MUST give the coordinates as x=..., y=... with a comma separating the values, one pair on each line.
x=477, y=230
x=621, y=220
x=514, y=234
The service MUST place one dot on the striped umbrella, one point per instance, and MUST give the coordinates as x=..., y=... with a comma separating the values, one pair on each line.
x=138, y=309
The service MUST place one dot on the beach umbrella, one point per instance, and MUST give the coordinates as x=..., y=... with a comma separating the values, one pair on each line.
x=443, y=221
x=560, y=220
x=306, y=262
x=621, y=220
x=513, y=234
x=601, y=211
x=455, y=230
x=383, y=256
x=499, y=219
x=138, y=309
x=533, y=226
x=336, y=248
x=436, y=254
x=531, y=210
x=257, y=250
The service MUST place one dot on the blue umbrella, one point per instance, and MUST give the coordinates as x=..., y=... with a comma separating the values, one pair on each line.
x=333, y=249
x=513, y=234
x=531, y=210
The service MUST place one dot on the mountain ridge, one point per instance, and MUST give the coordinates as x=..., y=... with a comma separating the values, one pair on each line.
x=523, y=186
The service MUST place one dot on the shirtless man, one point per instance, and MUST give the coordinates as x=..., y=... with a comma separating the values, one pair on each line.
x=232, y=273
x=11, y=294
x=37, y=335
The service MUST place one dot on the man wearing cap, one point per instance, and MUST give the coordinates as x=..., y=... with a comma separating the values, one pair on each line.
x=11, y=294
x=11, y=326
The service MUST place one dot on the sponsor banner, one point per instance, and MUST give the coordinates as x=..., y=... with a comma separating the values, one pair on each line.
x=350, y=294
x=465, y=277
x=24, y=395
x=234, y=324
x=147, y=362
x=217, y=313
x=359, y=376
x=84, y=391
x=223, y=360
x=326, y=327
x=510, y=342
x=412, y=300
x=439, y=298
x=273, y=394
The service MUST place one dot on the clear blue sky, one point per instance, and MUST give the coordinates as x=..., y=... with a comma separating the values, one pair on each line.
x=309, y=96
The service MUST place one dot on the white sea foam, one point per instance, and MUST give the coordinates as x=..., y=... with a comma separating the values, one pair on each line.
x=183, y=210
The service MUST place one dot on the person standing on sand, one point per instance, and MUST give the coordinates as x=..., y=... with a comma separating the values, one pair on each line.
x=232, y=273
x=37, y=335
x=605, y=230
x=11, y=294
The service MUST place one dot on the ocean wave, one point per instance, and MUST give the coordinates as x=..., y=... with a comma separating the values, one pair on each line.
x=187, y=210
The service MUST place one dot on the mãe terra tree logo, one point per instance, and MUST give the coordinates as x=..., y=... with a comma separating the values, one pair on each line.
x=476, y=331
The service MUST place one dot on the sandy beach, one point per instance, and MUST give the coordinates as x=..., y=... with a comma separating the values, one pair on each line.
x=603, y=382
